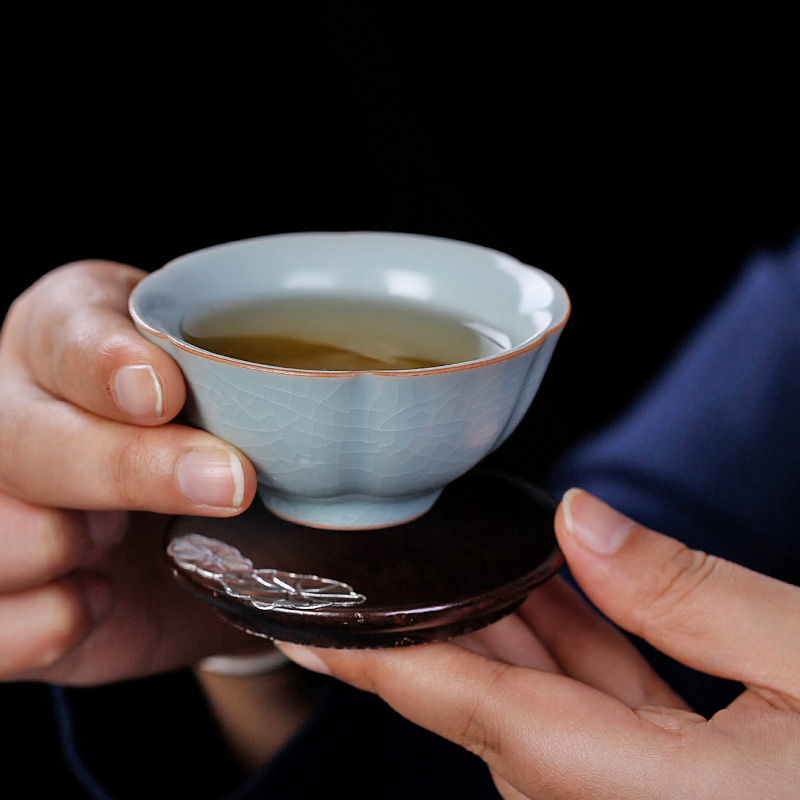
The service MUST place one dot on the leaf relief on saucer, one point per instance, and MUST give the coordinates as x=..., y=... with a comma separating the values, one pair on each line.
x=221, y=567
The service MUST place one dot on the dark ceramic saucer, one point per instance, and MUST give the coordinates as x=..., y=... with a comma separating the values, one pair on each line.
x=472, y=559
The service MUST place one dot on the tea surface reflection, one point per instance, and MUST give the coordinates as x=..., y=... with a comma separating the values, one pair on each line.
x=342, y=334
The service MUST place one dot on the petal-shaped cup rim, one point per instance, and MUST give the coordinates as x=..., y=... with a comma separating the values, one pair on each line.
x=532, y=343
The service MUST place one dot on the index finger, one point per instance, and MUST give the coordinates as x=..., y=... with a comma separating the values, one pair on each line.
x=72, y=334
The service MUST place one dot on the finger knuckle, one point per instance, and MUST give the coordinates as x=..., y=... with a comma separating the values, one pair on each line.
x=477, y=734
x=50, y=287
x=79, y=349
x=57, y=622
x=60, y=541
x=14, y=445
x=64, y=628
x=78, y=336
x=18, y=307
x=41, y=544
x=683, y=576
x=80, y=276
x=65, y=359
x=132, y=470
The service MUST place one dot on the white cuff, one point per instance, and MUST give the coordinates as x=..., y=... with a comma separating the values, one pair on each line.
x=242, y=666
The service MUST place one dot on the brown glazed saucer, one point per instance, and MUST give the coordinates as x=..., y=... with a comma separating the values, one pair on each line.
x=472, y=559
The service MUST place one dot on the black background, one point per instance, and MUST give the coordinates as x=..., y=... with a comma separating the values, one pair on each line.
x=640, y=160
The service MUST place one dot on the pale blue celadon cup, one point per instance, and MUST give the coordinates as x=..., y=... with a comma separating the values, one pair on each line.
x=358, y=450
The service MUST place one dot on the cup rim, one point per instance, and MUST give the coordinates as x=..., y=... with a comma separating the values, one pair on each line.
x=525, y=347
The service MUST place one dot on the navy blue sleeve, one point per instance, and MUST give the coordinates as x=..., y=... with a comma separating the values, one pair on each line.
x=710, y=454
x=155, y=737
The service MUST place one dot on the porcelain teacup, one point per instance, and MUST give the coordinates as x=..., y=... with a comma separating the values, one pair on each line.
x=358, y=449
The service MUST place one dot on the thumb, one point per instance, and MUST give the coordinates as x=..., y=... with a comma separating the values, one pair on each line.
x=708, y=613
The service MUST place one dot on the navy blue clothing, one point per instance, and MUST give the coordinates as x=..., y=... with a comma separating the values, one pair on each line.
x=710, y=455
x=132, y=741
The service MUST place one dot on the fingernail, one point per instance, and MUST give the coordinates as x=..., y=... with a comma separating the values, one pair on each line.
x=138, y=391
x=107, y=528
x=303, y=657
x=596, y=525
x=212, y=476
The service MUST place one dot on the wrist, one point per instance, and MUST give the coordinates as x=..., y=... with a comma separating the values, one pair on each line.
x=258, y=702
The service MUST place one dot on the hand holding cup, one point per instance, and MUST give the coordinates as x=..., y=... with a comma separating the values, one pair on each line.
x=88, y=444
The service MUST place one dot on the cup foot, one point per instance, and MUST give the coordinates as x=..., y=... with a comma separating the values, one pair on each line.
x=350, y=512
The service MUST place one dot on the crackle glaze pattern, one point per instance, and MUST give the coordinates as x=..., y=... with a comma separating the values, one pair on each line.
x=353, y=450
